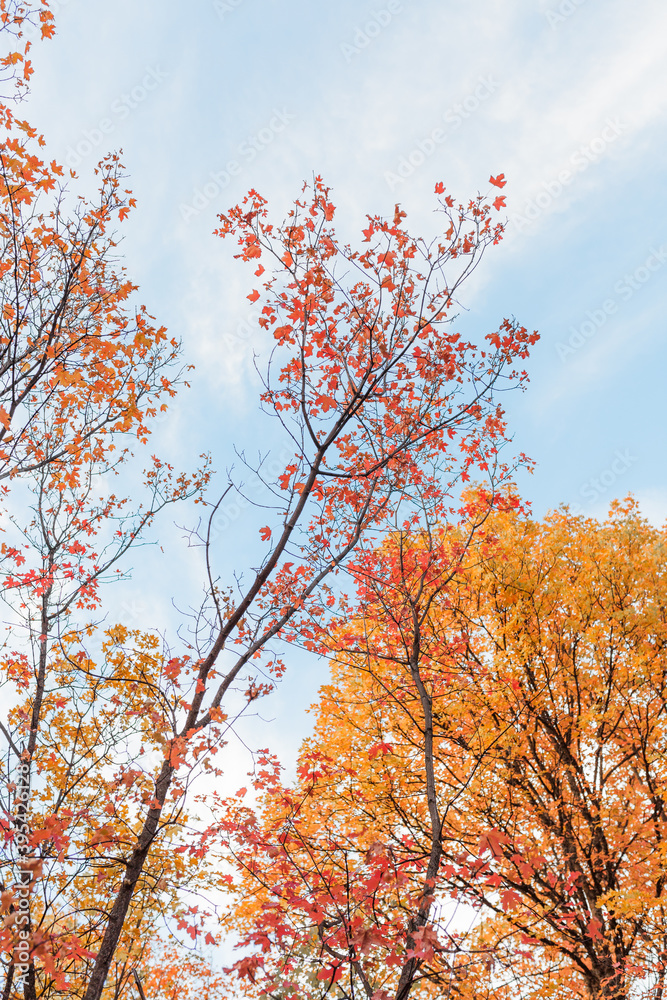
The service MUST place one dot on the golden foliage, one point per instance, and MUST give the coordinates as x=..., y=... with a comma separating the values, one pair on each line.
x=524, y=687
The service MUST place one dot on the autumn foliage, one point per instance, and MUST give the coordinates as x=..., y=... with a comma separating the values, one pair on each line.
x=490, y=749
x=78, y=362
x=17, y=17
x=389, y=411
x=108, y=868
x=480, y=808
x=82, y=371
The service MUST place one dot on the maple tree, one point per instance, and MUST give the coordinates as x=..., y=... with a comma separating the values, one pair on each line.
x=390, y=410
x=81, y=368
x=342, y=873
x=79, y=361
x=74, y=721
x=519, y=771
x=571, y=804
x=72, y=354
x=89, y=781
x=387, y=410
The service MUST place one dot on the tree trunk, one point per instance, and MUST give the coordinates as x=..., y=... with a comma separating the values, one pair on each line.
x=122, y=902
x=6, y=993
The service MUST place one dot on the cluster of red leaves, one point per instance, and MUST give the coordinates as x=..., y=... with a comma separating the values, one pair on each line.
x=390, y=403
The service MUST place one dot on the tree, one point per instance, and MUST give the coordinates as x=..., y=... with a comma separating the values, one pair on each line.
x=385, y=408
x=379, y=398
x=70, y=740
x=90, y=780
x=571, y=805
x=81, y=369
x=67, y=343
x=342, y=874
x=79, y=361
x=542, y=657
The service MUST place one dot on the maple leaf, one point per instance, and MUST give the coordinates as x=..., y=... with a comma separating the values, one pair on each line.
x=498, y=181
x=398, y=215
x=593, y=928
x=499, y=202
x=509, y=898
x=265, y=534
x=331, y=973
x=326, y=402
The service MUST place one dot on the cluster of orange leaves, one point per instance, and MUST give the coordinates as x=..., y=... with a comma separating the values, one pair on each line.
x=543, y=657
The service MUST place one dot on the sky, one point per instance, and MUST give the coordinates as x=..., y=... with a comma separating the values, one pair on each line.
x=567, y=98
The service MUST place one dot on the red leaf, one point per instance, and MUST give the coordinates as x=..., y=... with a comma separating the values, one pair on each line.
x=265, y=534
x=331, y=974
x=253, y=296
x=498, y=181
x=593, y=929
x=439, y=187
x=499, y=202
x=509, y=899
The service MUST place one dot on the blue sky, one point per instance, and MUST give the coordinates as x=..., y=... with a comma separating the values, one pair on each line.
x=568, y=99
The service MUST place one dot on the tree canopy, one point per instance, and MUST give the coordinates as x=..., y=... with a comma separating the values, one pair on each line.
x=491, y=748
x=113, y=847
